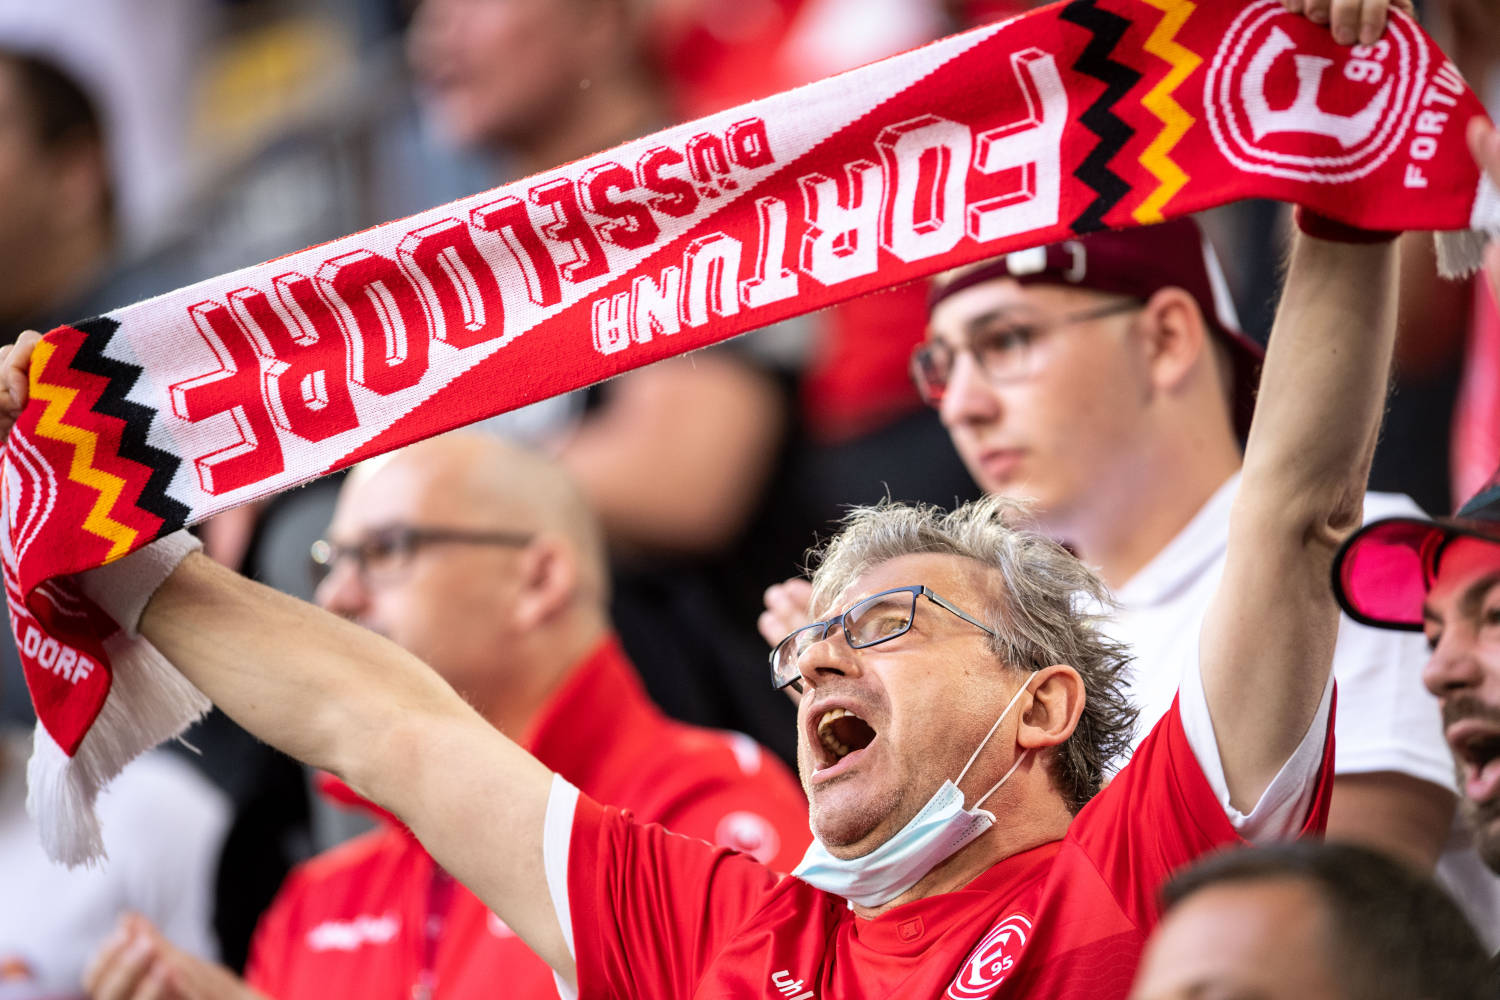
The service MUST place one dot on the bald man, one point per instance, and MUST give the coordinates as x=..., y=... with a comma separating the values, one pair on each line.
x=485, y=562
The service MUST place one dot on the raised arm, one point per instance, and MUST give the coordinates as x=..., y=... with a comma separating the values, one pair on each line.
x=340, y=697
x=1268, y=638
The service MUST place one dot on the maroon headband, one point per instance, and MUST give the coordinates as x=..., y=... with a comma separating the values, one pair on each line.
x=1135, y=263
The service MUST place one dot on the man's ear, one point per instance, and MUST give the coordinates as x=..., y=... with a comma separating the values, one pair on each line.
x=1175, y=337
x=548, y=581
x=1057, y=695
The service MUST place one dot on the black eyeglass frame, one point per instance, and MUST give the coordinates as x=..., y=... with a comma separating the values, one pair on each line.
x=404, y=540
x=922, y=352
x=841, y=620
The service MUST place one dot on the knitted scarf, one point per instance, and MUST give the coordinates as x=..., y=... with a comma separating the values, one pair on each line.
x=1079, y=116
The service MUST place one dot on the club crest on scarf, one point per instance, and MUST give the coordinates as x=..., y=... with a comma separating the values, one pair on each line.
x=1280, y=104
x=1075, y=117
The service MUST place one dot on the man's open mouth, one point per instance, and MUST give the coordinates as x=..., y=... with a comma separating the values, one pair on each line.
x=841, y=733
x=1477, y=749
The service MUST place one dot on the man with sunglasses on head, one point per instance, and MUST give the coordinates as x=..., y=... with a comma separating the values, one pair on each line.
x=483, y=561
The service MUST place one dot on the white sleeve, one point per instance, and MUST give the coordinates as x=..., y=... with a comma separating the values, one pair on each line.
x=557, y=837
x=1387, y=720
x=1283, y=806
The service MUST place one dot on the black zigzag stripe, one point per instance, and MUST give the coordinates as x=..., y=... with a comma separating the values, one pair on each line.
x=120, y=378
x=1113, y=133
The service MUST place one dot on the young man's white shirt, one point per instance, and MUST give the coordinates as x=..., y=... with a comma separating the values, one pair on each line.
x=1386, y=720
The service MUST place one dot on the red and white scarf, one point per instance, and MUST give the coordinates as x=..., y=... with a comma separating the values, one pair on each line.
x=1097, y=113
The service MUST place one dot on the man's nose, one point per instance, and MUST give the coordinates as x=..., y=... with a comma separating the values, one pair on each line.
x=343, y=590
x=828, y=657
x=969, y=396
x=1453, y=665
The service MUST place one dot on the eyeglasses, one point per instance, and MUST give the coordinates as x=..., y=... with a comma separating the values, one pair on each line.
x=384, y=554
x=878, y=618
x=1003, y=349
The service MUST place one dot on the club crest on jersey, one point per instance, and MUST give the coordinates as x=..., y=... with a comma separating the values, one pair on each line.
x=992, y=959
x=749, y=833
x=1274, y=74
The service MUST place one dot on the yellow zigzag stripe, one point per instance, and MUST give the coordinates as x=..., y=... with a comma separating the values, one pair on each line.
x=58, y=398
x=1160, y=102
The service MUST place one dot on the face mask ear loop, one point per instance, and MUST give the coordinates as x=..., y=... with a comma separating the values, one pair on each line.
x=975, y=755
x=996, y=786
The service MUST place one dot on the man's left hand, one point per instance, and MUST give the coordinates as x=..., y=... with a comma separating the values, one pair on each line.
x=1352, y=21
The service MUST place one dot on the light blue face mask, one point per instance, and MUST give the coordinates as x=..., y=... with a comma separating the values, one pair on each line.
x=940, y=830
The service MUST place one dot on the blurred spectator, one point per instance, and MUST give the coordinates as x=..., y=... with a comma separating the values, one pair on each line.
x=94, y=97
x=163, y=827
x=720, y=53
x=484, y=561
x=695, y=527
x=1300, y=920
x=676, y=458
x=1469, y=31
x=127, y=68
x=57, y=217
x=861, y=434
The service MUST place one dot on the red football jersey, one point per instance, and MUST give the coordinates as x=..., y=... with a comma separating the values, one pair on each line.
x=660, y=916
x=376, y=917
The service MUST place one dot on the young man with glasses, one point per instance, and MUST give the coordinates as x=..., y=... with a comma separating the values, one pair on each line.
x=483, y=561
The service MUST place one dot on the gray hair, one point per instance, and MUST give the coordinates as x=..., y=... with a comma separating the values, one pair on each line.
x=1047, y=612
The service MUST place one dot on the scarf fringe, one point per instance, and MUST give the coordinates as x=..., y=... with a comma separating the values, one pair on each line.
x=1459, y=252
x=149, y=702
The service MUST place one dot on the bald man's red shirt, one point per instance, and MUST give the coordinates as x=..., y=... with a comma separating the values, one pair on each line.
x=376, y=917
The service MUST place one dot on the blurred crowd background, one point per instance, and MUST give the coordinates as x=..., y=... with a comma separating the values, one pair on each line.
x=145, y=144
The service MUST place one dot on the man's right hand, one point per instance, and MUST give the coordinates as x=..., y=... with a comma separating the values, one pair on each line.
x=787, y=606
x=15, y=379
x=1352, y=21
x=138, y=963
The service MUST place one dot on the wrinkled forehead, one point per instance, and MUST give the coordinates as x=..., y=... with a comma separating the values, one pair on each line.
x=393, y=489
x=957, y=578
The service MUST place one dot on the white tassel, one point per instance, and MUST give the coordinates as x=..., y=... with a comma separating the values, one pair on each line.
x=1459, y=252
x=149, y=702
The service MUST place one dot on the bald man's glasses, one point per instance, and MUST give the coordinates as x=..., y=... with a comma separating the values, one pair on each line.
x=385, y=554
